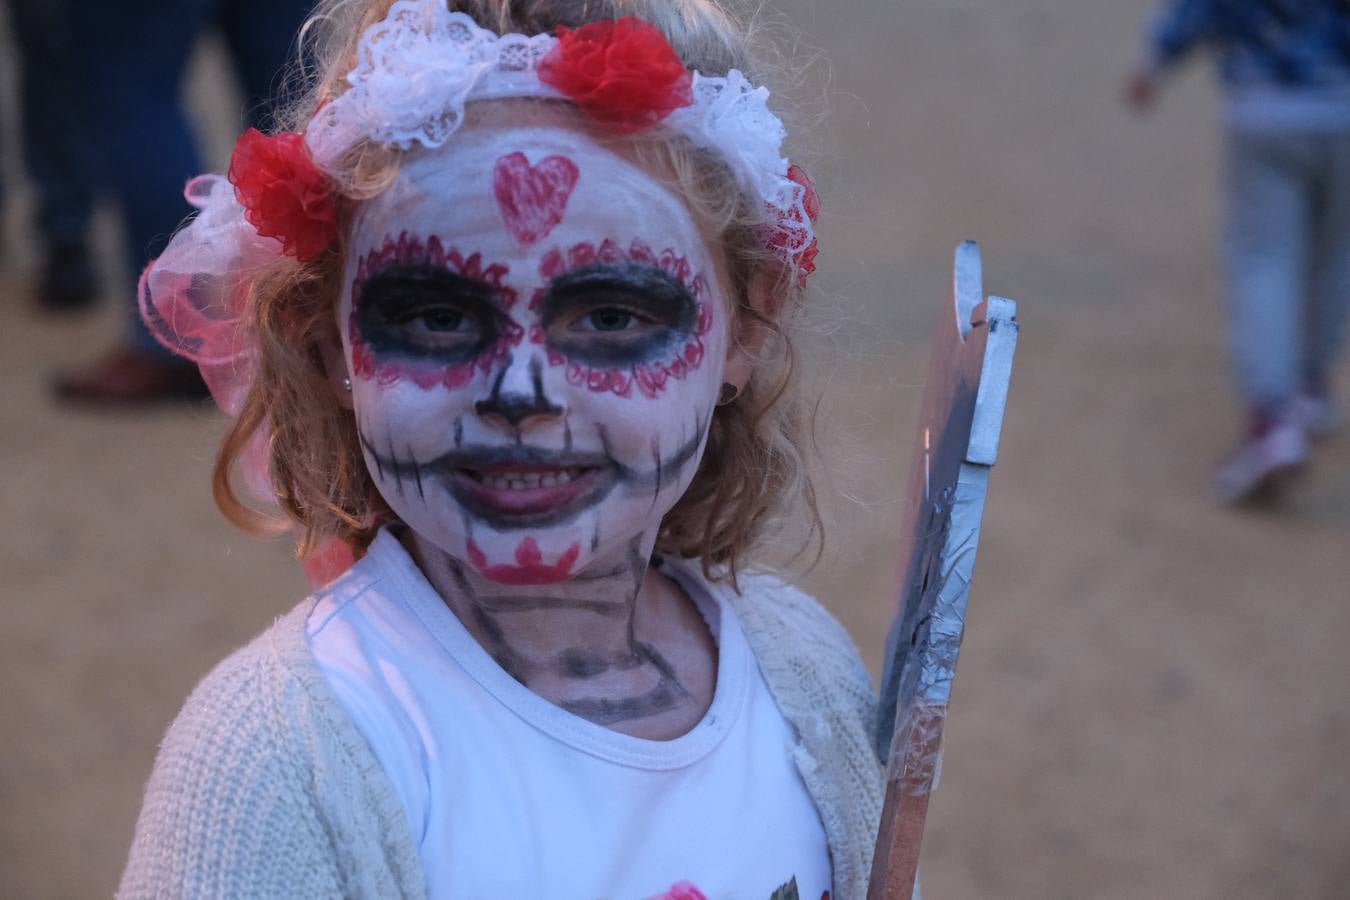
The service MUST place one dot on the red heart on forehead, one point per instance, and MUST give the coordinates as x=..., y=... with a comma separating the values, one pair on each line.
x=533, y=198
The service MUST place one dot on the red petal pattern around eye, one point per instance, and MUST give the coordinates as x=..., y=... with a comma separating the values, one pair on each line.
x=652, y=378
x=412, y=250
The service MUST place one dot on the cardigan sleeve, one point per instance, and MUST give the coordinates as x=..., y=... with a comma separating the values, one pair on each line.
x=260, y=789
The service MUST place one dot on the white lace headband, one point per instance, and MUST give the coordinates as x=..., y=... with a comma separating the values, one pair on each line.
x=420, y=67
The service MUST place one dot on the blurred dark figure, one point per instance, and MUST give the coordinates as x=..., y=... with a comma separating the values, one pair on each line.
x=138, y=51
x=56, y=139
x=1286, y=72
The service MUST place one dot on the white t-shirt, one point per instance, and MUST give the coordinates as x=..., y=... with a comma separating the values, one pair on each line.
x=509, y=795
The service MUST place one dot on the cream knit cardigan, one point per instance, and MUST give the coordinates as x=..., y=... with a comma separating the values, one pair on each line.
x=264, y=788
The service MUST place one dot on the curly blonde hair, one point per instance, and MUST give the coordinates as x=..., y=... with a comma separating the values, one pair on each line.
x=753, y=475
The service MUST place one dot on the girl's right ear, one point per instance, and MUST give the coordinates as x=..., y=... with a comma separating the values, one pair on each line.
x=750, y=335
x=335, y=368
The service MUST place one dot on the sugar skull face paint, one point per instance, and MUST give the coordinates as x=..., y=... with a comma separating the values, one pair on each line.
x=537, y=333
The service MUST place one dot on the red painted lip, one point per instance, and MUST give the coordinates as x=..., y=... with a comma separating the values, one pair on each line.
x=530, y=501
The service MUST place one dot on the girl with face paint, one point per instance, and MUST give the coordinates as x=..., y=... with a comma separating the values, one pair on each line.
x=505, y=328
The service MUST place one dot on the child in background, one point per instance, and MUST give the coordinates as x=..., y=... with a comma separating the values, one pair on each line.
x=1286, y=72
x=508, y=317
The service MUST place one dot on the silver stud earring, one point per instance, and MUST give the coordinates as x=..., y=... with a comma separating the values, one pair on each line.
x=347, y=385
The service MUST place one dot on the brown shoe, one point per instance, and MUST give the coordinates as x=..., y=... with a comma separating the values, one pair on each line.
x=126, y=378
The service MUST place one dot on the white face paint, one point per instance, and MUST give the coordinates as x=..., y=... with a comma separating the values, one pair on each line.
x=537, y=331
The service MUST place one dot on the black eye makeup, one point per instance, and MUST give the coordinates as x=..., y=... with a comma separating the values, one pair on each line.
x=617, y=315
x=425, y=311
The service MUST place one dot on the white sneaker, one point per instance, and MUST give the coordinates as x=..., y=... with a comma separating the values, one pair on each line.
x=1316, y=413
x=1272, y=451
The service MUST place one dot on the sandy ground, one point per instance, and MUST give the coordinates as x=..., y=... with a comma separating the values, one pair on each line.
x=1147, y=701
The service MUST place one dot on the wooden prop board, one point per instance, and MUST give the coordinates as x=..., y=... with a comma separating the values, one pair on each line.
x=964, y=399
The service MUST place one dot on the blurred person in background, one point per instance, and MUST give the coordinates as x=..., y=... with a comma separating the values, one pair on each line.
x=139, y=51
x=56, y=149
x=1285, y=66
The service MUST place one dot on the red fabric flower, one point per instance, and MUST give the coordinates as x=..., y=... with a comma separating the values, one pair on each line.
x=780, y=235
x=812, y=200
x=284, y=194
x=623, y=73
x=806, y=261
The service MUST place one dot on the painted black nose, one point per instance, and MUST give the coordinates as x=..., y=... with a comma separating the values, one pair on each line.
x=515, y=406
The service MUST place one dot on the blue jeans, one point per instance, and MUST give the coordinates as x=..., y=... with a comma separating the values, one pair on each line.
x=58, y=134
x=141, y=49
x=1287, y=244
